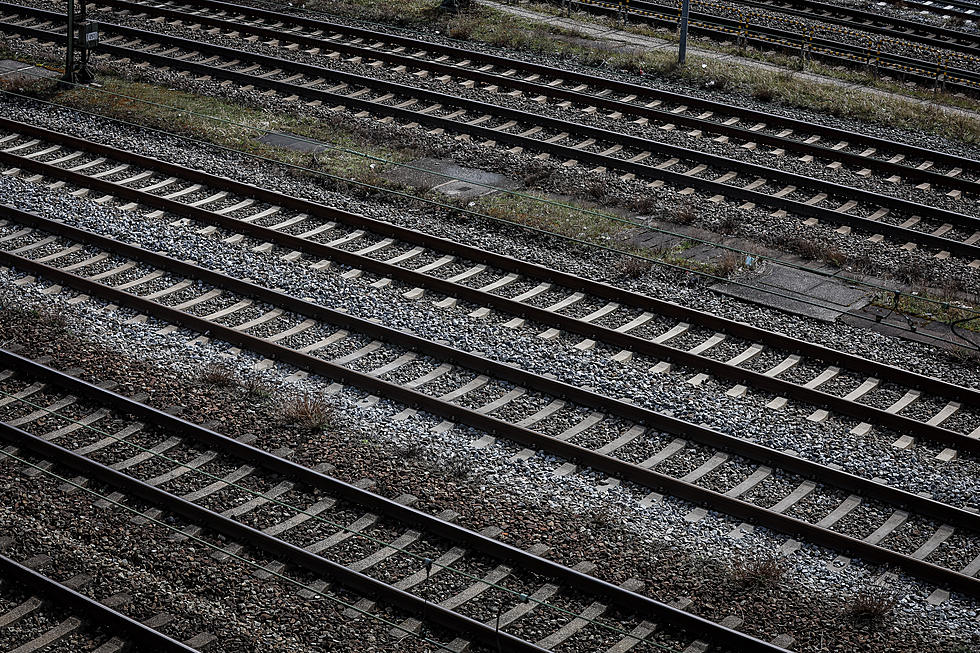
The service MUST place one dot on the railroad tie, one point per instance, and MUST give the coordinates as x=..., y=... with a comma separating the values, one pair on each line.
x=35, y=245
x=369, y=348
x=588, y=422
x=86, y=421
x=787, y=502
x=672, y=448
x=143, y=456
x=590, y=613
x=867, y=386
x=700, y=646
x=180, y=470
x=445, y=560
x=120, y=435
x=262, y=319
x=22, y=394
x=404, y=541
x=50, y=637
x=705, y=468
x=20, y=611
x=501, y=401
x=429, y=376
x=493, y=577
x=552, y=407
x=896, y=519
x=43, y=152
x=901, y=404
x=631, y=434
x=42, y=412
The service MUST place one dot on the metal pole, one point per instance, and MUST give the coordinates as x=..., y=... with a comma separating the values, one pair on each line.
x=84, y=74
x=685, y=10
x=70, y=55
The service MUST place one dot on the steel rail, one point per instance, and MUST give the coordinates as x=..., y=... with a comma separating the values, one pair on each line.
x=847, y=54
x=675, y=178
x=102, y=615
x=628, y=88
x=938, y=37
x=639, y=110
x=375, y=503
x=742, y=330
x=590, y=100
x=921, y=430
x=452, y=412
x=609, y=8
x=553, y=387
x=353, y=580
x=964, y=10
x=931, y=35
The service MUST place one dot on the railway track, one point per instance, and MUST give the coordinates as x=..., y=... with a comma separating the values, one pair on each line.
x=664, y=108
x=947, y=232
x=627, y=324
x=32, y=607
x=862, y=20
x=624, y=440
x=944, y=58
x=958, y=9
x=304, y=518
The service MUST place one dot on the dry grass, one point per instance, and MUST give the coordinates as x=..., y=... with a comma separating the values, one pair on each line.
x=41, y=89
x=456, y=468
x=643, y=205
x=632, y=267
x=685, y=213
x=870, y=606
x=760, y=571
x=218, y=375
x=729, y=264
x=537, y=174
x=309, y=411
x=728, y=224
x=255, y=386
x=964, y=356
x=396, y=12
x=602, y=518
x=814, y=250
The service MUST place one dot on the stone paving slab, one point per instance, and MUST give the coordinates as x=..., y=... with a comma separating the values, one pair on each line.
x=292, y=142
x=465, y=182
x=797, y=291
x=10, y=69
x=894, y=324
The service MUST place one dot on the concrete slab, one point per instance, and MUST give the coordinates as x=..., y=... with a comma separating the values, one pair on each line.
x=292, y=142
x=450, y=179
x=656, y=240
x=10, y=69
x=797, y=291
x=8, y=65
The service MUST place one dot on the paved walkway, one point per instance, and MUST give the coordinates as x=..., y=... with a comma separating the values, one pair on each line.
x=631, y=40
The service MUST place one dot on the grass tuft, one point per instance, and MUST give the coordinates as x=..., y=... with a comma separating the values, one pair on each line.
x=685, y=213
x=218, y=375
x=870, y=606
x=256, y=387
x=632, y=267
x=759, y=571
x=728, y=265
x=308, y=411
